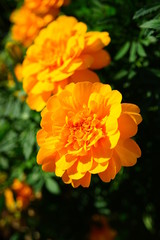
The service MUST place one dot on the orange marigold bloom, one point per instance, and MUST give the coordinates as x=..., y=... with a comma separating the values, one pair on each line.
x=62, y=53
x=100, y=229
x=44, y=6
x=23, y=194
x=87, y=130
x=26, y=24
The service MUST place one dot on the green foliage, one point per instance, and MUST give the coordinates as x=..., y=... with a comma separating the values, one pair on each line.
x=131, y=200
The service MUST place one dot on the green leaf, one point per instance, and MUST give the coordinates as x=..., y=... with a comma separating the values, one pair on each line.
x=152, y=24
x=146, y=10
x=4, y=127
x=133, y=50
x=4, y=164
x=121, y=74
x=9, y=142
x=140, y=50
x=33, y=177
x=27, y=140
x=124, y=49
x=131, y=74
x=52, y=186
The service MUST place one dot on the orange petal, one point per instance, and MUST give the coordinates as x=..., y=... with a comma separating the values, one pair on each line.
x=31, y=69
x=132, y=110
x=65, y=178
x=111, y=171
x=81, y=93
x=101, y=59
x=114, y=97
x=48, y=167
x=127, y=126
x=83, y=76
x=59, y=172
x=38, y=102
x=102, y=89
x=84, y=181
x=41, y=87
x=114, y=139
x=84, y=163
x=98, y=167
x=41, y=134
x=45, y=155
x=73, y=173
x=64, y=164
x=94, y=41
x=128, y=151
x=102, y=153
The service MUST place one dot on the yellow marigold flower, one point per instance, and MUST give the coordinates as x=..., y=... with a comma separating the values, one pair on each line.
x=87, y=130
x=62, y=53
x=26, y=24
x=44, y=6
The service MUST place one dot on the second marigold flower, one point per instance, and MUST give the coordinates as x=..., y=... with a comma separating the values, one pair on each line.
x=86, y=130
x=62, y=53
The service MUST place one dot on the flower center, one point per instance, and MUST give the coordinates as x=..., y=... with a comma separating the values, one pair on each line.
x=84, y=130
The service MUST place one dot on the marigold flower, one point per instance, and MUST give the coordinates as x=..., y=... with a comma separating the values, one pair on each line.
x=23, y=194
x=62, y=53
x=26, y=24
x=87, y=130
x=42, y=7
x=100, y=229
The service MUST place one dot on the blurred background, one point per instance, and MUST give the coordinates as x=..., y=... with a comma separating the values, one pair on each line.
x=36, y=205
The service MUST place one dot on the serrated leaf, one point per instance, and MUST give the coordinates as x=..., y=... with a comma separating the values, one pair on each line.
x=152, y=24
x=146, y=10
x=27, y=141
x=9, y=142
x=124, y=49
x=52, y=186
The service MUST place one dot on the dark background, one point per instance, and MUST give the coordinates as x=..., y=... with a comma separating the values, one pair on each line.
x=131, y=202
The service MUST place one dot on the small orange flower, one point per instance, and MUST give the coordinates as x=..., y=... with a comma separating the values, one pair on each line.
x=18, y=72
x=62, y=53
x=100, y=229
x=86, y=130
x=26, y=24
x=23, y=194
x=43, y=7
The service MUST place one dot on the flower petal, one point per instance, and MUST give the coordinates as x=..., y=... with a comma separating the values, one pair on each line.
x=101, y=59
x=127, y=126
x=132, y=110
x=113, y=168
x=128, y=151
x=38, y=102
x=84, y=181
